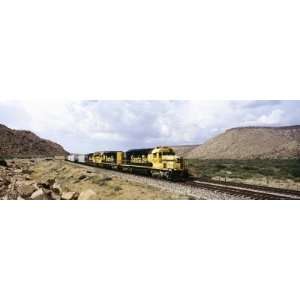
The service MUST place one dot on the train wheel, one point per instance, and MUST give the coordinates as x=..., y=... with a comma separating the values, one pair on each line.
x=168, y=176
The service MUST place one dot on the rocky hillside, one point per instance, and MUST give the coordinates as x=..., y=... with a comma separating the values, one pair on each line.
x=183, y=150
x=252, y=143
x=21, y=143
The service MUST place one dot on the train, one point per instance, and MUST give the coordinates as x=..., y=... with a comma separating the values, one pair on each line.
x=160, y=161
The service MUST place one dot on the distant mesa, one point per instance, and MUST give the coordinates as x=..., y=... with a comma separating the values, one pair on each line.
x=251, y=143
x=23, y=143
x=183, y=150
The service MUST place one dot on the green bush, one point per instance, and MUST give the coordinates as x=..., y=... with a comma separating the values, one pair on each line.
x=295, y=172
x=220, y=167
x=280, y=169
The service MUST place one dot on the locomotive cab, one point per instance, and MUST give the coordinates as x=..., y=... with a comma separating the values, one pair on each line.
x=164, y=158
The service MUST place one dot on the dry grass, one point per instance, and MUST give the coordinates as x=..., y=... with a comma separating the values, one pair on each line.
x=77, y=179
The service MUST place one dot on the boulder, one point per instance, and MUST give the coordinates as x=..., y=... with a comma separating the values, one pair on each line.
x=46, y=183
x=69, y=196
x=6, y=181
x=87, y=195
x=55, y=196
x=26, y=190
x=56, y=188
x=40, y=194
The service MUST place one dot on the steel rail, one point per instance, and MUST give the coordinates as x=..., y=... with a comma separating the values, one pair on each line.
x=251, y=194
x=287, y=192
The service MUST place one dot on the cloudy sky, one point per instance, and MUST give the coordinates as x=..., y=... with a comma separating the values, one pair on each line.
x=87, y=126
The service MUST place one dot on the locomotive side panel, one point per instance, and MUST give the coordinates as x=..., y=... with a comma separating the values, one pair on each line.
x=138, y=157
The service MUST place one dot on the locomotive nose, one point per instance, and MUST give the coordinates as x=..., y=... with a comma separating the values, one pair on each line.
x=177, y=158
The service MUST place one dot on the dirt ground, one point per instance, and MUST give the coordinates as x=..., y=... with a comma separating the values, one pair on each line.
x=74, y=178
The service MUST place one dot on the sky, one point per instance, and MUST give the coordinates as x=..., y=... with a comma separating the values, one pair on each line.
x=88, y=126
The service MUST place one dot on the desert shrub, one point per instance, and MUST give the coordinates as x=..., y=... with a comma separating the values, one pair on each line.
x=249, y=168
x=295, y=172
x=117, y=188
x=220, y=167
x=280, y=169
x=266, y=172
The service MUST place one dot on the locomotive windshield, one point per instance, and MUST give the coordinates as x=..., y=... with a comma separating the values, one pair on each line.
x=170, y=152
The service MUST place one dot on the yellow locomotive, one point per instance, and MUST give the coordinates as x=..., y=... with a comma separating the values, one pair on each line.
x=158, y=162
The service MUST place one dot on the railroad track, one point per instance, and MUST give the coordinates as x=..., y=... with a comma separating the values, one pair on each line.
x=248, y=191
x=268, y=189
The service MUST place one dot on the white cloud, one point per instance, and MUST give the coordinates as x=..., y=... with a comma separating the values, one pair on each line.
x=272, y=118
x=95, y=125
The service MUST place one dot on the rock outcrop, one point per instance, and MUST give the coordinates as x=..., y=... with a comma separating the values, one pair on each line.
x=16, y=183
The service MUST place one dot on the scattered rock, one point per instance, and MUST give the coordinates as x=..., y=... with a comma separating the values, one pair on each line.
x=40, y=194
x=82, y=177
x=87, y=195
x=69, y=196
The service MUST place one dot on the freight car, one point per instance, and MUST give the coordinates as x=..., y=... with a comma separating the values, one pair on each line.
x=159, y=162
x=79, y=158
